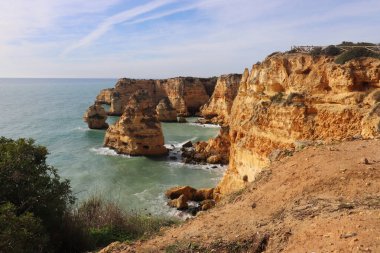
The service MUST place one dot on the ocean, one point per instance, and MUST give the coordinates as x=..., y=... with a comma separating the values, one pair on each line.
x=51, y=110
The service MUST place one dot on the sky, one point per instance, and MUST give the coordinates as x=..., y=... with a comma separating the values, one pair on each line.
x=168, y=38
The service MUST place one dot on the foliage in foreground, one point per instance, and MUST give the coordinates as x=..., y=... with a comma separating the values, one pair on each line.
x=37, y=212
x=106, y=222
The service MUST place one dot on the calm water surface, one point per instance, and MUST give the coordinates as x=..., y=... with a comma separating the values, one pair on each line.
x=51, y=110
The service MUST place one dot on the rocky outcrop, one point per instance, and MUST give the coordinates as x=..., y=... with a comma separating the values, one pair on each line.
x=214, y=151
x=186, y=94
x=165, y=111
x=297, y=98
x=138, y=131
x=96, y=117
x=180, y=195
x=105, y=96
x=217, y=110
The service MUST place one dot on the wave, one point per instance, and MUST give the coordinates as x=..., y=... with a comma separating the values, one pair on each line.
x=84, y=129
x=107, y=152
x=204, y=125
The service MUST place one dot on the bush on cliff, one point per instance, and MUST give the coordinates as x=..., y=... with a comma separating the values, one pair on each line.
x=37, y=212
x=355, y=53
x=32, y=186
x=107, y=222
x=21, y=233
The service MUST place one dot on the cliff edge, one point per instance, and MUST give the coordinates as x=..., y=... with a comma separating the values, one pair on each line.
x=322, y=199
x=293, y=100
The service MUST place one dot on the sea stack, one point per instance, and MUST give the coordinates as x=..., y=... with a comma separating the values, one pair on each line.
x=138, y=131
x=96, y=117
x=165, y=111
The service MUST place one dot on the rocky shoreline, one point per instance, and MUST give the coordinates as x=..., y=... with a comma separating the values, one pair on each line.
x=283, y=104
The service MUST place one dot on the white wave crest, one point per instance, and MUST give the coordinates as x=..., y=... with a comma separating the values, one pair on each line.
x=107, y=152
x=204, y=125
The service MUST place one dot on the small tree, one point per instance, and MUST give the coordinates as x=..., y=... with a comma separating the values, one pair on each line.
x=32, y=186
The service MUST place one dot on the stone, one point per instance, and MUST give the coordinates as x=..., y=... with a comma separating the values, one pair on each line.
x=207, y=204
x=364, y=161
x=165, y=111
x=203, y=194
x=187, y=144
x=138, y=131
x=182, y=120
x=96, y=117
x=176, y=192
x=180, y=203
x=215, y=159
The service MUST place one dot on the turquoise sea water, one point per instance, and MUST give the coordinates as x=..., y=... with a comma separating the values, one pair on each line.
x=51, y=110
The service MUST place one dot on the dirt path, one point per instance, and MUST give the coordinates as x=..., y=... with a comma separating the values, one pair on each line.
x=322, y=199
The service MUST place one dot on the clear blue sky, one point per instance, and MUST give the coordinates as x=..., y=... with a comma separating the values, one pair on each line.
x=165, y=38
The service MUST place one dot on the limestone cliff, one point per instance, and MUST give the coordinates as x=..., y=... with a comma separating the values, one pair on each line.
x=96, y=117
x=294, y=99
x=165, y=111
x=105, y=96
x=218, y=108
x=186, y=94
x=138, y=131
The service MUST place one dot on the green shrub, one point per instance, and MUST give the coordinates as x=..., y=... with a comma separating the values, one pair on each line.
x=36, y=211
x=331, y=51
x=33, y=186
x=107, y=222
x=316, y=51
x=21, y=233
x=355, y=53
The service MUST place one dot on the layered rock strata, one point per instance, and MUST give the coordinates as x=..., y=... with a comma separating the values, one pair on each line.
x=217, y=110
x=297, y=99
x=138, y=131
x=96, y=117
x=165, y=111
x=186, y=94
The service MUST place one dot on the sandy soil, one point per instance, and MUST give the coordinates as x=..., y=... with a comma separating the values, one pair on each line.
x=321, y=199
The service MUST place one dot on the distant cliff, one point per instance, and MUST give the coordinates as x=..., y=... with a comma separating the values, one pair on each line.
x=186, y=94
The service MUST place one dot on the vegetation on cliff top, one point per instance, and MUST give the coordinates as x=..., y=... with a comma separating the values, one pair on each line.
x=37, y=212
x=344, y=55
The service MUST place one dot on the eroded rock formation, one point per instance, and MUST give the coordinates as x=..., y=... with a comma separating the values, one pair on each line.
x=165, y=111
x=186, y=94
x=96, y=117
x=218, y=108
x=105, y=96
x=297, y=98
x=214, y=151
x=138, y=131
x=179, y=197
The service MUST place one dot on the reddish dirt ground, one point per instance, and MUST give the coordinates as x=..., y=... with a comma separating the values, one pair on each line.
x=321, y=199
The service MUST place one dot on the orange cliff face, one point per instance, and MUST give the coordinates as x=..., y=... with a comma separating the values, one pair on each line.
x=186, y=94
x=138, y=131
x=290, y=100
x=218, y=108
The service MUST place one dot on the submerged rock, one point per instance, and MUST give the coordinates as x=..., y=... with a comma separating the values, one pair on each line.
x=96, y=117
x=182, y=120
x=138, y=131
